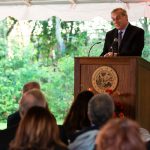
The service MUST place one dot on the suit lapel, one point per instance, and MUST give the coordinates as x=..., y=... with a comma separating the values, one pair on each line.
x=125, y=37
x=116, y=33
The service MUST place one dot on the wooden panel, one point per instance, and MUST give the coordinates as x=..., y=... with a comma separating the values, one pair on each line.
x=126, y=84
x=133, y=85
x=143, y=101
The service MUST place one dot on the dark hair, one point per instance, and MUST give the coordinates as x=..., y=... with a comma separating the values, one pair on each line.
x=120, y=134
x=37, y=130
x=31, y=85
x=77, y=117
x=100, y=109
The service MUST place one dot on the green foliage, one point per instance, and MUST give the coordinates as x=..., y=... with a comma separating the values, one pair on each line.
x=48, y=59
x=43, y=38
x=17, y=71
x=3, y=39
x=59, y=88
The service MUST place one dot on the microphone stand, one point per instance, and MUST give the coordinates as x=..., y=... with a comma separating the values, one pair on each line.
x=92, y=47
x=112, y=50
x=111, y=47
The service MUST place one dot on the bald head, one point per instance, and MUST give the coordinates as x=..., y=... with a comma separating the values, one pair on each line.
x=32, y=98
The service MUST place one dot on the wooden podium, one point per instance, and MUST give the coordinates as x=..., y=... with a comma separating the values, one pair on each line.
x=133, y=86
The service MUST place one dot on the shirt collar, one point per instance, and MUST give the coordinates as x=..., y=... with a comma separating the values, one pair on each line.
x=123, y=31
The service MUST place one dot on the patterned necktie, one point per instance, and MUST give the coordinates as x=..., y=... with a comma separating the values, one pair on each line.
x=119, y=38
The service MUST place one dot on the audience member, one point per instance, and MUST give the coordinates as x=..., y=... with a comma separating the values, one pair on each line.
x=77, y=118
x=31, y=98
x=120, y=134
x=37, y=131
x=14, y=118
x=100, y=110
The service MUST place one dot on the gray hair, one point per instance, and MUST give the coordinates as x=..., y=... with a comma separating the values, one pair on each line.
x=122, y=11
x=100, y=109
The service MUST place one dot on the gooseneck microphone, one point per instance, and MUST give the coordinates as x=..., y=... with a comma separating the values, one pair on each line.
x=115, y=41
x=92, y=47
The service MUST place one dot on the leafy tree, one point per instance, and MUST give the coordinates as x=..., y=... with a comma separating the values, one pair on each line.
x=145, y=22
x=48, y=59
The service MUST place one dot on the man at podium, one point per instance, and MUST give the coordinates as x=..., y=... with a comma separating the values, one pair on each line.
x=125, y=39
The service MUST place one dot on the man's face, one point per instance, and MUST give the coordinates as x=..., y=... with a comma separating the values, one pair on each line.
x=120, y=21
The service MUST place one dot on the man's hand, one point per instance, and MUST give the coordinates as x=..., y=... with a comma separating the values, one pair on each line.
x=110, y=54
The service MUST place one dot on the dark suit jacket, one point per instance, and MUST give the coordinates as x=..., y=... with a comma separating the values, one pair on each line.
x=148, y=145
x=13, y=119
x=131, y=45
x=6, y=136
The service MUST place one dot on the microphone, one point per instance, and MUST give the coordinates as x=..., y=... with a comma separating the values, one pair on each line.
x=92, y=47
x=115, y=41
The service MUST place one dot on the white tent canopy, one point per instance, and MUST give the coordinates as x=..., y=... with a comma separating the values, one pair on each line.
x=71, y=9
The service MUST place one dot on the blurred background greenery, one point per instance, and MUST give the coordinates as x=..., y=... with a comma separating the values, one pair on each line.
x=44, y=51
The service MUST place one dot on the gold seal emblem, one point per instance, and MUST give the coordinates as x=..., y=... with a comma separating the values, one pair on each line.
x=104, y=78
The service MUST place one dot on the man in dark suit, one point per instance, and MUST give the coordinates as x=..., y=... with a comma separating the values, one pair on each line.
x=30, y=99
x=14, y=118
x=125, y=39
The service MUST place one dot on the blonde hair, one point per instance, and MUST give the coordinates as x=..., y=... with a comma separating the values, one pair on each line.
x=37, y=130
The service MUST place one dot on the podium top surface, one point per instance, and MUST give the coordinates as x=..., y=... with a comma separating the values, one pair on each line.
x=113, y=60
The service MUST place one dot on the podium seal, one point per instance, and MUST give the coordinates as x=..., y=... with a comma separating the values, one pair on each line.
x=104, y=78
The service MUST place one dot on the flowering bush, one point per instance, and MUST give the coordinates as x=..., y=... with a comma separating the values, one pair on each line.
x=119, y=107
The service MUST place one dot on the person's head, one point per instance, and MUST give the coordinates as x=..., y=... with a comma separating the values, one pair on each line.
x=77, y=117
x=120, y=134
x=120, y=18
x=32, y=98
x=37, y=130
x=100, y=109
x=30, y=85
